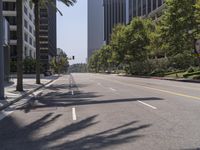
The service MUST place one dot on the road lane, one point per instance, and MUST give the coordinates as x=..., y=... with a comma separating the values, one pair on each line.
x=106, y=120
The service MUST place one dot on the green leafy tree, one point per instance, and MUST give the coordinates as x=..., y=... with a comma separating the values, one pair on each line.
x=60, y=64
x=105, y=57
x=176, y=24
x=118, y=44
x=197, y=18
x=94, y=62
x=29, y=65
x=156, y=48
x=137, y=38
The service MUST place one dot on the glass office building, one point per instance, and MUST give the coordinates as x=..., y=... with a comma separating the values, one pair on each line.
x=122, y=11
x=109, y=13
x=115, y=12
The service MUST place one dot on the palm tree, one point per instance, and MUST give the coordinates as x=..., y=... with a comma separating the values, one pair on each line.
x=19, y=86
x=38, y=4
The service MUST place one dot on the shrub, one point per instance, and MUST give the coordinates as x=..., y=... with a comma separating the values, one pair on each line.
x=13, y=66
x=190, y=69
x=197, y=77
x=29, y=65
x=186, y=75
x=173, y=72
x=181, y=61
x=158, y=72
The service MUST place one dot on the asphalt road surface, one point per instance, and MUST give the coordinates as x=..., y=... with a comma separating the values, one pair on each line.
x=105, y=112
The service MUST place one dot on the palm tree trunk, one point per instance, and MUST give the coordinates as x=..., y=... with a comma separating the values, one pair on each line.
x=19, y=86
x=1, y=55
x=37, y=28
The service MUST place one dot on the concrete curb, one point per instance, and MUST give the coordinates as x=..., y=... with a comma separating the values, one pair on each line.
x=25, y=95
x=163, y=78
x=182, y=80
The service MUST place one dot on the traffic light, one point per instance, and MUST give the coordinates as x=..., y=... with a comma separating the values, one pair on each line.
x=73, y=57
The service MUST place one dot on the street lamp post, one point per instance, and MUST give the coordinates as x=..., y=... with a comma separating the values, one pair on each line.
x=1, y=54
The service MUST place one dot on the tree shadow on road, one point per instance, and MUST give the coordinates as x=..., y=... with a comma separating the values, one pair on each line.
x=58, y=99
x=14, y=136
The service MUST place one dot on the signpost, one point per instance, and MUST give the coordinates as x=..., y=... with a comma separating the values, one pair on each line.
x=197, y=47
x=1, y=54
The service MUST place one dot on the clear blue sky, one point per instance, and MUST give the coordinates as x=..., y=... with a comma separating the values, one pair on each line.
x=72, y=30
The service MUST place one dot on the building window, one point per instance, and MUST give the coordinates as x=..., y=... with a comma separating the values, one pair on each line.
x=30, y=41
x=30, y=53
x=139, y=8
x=13, y=52
x=25, y=24
x=25, y=10
x=30, y=16
x=13, y=35
x=144, y=7
x=149, y=6
x=25, y=51
x=9, y=6
x=159, y=3
x=134, y=8
x=154, y=4
x=26, y=37
x=11, y=20
x=30, y=29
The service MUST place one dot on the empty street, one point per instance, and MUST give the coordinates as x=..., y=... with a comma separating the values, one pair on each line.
x=94, y=111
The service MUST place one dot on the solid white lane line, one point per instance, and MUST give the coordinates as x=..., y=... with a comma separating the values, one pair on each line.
x=74, y=114
x=147, y=104
x=113, y=89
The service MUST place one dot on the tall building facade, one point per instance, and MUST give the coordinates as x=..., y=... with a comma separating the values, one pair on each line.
x=103, y=15
x=115, y=12
x=122, y=11
x=95, y=26
x=9, y=12
x=143, y=7
x=48, y=40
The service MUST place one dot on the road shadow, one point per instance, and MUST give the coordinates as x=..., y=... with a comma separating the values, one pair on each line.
x=59, y=99
x=14, y=136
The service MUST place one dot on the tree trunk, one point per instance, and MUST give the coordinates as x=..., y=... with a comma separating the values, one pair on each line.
x=1, y=55
x=19, y=86
x=37, y=29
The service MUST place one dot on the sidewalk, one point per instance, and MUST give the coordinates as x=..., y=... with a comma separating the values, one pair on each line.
x=29, y=85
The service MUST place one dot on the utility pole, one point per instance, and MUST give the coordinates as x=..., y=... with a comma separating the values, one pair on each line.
x=1, y=54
